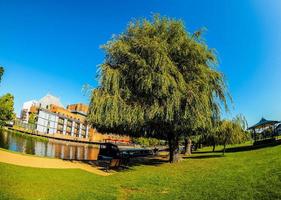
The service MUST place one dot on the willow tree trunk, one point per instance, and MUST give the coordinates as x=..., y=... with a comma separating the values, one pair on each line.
x=189, y=147
x=214, y=147
x=185, y=146
x=224, y=145
x=173, y=149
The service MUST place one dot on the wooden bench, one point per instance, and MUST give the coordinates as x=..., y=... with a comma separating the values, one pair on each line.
x=105, y=162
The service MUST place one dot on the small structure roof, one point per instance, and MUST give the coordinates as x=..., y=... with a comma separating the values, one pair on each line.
x=263, y=123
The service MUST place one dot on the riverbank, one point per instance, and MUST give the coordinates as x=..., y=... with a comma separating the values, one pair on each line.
x=50, y=163
x=23, y=134
x=51, y=136
x=60, y=137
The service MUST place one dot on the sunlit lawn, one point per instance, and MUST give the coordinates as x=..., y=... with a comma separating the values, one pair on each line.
x=241, y=175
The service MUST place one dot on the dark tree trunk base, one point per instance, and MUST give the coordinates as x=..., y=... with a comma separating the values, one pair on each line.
x=223, y=149
x=214, y=147
x=189, y=147
x=173, y=150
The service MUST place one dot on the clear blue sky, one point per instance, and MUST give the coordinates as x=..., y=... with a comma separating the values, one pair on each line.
x=54, y=47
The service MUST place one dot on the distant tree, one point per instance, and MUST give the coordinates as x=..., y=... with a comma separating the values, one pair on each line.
x=211, y=137
x=148, y=142
x=32, y=118
x=242, y=121
x=6, y=105
x=157, y=81
x=218, y=133
x=230, y=132
x=1, y=72
x=6, y=108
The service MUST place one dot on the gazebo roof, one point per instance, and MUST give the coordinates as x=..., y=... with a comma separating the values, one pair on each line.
x=263, y=123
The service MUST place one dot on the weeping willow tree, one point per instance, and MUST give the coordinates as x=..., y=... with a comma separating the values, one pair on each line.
x=157, y=80
x=231, y=132
x=223, y=132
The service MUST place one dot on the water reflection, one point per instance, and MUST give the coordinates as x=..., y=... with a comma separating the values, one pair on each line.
x=51, y=148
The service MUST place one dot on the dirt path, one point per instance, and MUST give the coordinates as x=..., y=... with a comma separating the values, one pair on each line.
x=41, y=162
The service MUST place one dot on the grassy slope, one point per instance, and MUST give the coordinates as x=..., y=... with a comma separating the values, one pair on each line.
x=243, y=175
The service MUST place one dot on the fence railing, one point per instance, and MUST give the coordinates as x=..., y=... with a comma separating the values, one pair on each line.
x=25, y=125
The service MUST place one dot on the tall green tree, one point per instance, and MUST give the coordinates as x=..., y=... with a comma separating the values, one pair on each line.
x=6, y=108
x=157, y=80
x=6, y=105
x=1, y=72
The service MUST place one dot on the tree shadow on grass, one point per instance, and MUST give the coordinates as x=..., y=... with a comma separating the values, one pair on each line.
x=144, y=161
x=203, y=156
x=158, y=161
x=129, y=165
x=206, y=152
x=242, y=148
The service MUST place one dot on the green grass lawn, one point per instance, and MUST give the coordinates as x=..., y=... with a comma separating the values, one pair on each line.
x=241, y=175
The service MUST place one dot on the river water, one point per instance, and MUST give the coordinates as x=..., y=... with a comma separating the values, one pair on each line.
x=24, y=143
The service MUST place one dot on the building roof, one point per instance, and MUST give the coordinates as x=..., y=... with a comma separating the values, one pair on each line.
x=78, y=108
x=48, y=100
x=28, y=104
x=263, y=123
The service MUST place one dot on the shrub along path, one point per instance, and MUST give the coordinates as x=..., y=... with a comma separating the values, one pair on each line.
x=42, y=162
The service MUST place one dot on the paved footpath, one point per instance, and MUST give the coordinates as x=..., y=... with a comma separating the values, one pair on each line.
x=42, y=162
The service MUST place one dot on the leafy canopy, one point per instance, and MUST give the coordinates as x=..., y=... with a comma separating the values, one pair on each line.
x=6, y=108
x=231, y=132
x=226, y=132
x=157, y=79
x=32, y=118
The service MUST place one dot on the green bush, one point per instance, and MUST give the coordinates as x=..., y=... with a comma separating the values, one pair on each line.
x=147, y=141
